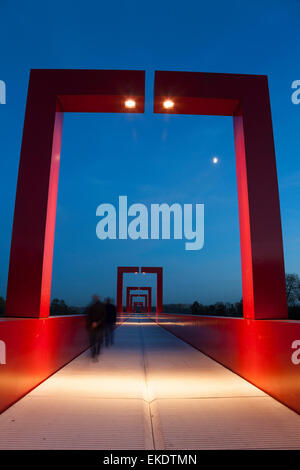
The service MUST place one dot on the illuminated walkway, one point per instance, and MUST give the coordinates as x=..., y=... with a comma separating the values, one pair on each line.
x=149, y=391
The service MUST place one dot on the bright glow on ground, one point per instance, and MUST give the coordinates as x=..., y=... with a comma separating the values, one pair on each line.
x=149, y=391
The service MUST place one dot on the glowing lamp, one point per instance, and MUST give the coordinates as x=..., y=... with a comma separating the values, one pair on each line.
x=168, y=104
x=130, y=103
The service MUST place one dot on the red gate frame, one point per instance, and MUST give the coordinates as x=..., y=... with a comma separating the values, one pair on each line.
x=145, y=297
x=246, y=98
x=144, y=270
x=136, y=288
x=50, y=94
x=260, y=351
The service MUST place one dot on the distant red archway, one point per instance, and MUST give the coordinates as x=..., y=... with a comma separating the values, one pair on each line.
x=144, y=270
x=133, y=296
x=129, y=289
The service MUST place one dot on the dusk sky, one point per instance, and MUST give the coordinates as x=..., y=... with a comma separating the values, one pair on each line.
x=150, y=158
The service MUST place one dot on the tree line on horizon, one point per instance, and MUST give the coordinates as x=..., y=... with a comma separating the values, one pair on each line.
x=59, y=306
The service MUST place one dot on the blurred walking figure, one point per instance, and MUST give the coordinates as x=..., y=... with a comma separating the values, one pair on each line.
x=111, y=318
x=96, y=324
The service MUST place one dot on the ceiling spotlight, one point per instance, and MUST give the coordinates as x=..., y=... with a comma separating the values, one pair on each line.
x=130, y=103
x=168, y=104
x=215, y=160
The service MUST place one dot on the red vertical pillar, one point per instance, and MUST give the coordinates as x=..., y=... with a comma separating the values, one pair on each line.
x=30, y=267
x=149, y=299
x=127, y=299
x=159, y=290
x=246, y=98
x=263, y=275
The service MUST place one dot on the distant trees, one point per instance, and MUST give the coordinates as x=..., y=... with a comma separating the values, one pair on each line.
x=196, y=308
x=293, y=295
x=292, y=288
x=177, y=308
x=59, y=307
x=218, y=309
x=236, y=309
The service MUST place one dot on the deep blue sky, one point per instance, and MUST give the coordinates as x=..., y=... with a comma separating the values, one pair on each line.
x=169, y=157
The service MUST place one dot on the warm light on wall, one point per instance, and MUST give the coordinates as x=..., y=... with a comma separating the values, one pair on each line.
x=168, y=104
x=130, y=103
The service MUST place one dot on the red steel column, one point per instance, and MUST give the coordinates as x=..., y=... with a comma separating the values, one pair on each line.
x=30, y=268
x=246, y=98
x=130, y=303
x=262, y=259
x=150, y=300
x=127, y=300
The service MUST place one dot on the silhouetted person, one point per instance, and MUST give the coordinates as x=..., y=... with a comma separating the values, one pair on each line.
x=111, y=318
x=96, y=324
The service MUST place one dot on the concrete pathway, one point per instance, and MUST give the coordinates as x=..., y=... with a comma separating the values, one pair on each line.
x=150, y=391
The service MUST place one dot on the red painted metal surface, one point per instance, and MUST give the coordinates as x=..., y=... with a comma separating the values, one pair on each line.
x=159, y=289
x=35, y=349
x=246, y=98
x=121, y=271
x=265, y=352
x=139, y=289
x=50, y=94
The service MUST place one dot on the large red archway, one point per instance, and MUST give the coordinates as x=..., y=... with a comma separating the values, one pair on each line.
x=259, y=351
x=53, y=92
x=246, y=98
x=50, y=94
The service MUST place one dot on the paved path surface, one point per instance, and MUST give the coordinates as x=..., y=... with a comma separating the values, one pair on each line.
x=150, y=391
